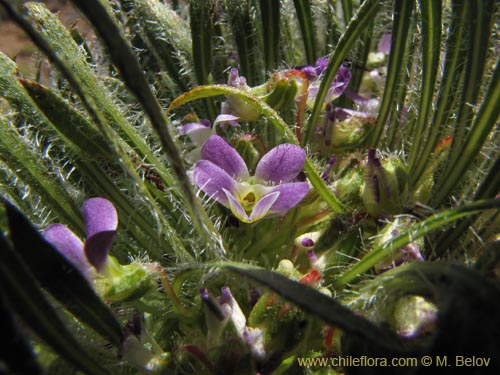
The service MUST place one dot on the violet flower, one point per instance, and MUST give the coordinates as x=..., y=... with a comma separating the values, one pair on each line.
x=199, y=132
x=101, y=222
x=315, y=75
x=224, y=176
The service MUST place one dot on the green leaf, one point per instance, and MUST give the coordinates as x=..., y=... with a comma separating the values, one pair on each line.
x=482, y=125
x=70, y=123
x=166, y=37
x=243, y=29
x=403, y=10
x=365, y=14
x=320, y=305
x=270, y=17
x=60, y=277
x=479, y=18
x=453, y=66
x=202, y=30
x=415, y=232
x=468, y=142
x=431, y=48
x=24, y=295
x=306, y=23
x=33, y=172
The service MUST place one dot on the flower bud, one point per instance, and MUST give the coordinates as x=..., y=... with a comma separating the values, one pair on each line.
x=386, y=185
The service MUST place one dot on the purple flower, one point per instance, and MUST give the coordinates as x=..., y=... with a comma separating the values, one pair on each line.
x=224, y=176
x=337, y=87
x=199, y=132
x=101, y=221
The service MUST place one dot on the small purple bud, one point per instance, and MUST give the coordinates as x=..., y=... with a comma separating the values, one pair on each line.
x=204, y=294
x=307, y=242
x=328, y=168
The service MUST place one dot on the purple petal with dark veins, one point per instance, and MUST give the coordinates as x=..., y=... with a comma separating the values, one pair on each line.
x=290, y=195
x=282, y=164
x=222, y=154
x=101, y=221
x=213, y=180
x=69, y=245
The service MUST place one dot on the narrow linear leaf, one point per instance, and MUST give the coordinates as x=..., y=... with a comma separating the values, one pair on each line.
x=167, y=38
x=69, y=122
x=448, y=86
x=60, y=277
x=488, y=189
x=479, y=18
x=365, y=14
x=418, y=230
x=482, y=125
x=347, y=10
x=23, y=293
x=33, y=172
x=202, y=30
x=55, y=41
x=306, y=23
x=243, y=29
x=270, y=16
x=403, y=10
x=431, y=47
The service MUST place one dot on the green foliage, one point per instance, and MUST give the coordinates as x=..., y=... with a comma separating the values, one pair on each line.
x=108, y=124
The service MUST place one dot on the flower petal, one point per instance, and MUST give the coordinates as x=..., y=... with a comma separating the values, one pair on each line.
x=226, y=118
x=101, y=221
x=236, y=207
x=197, y=132
x=69, y=245
x=213, y=180
x=290, y=195
x=282, y=164
x=220, y=153
x=339, y=84
x=263, y=206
